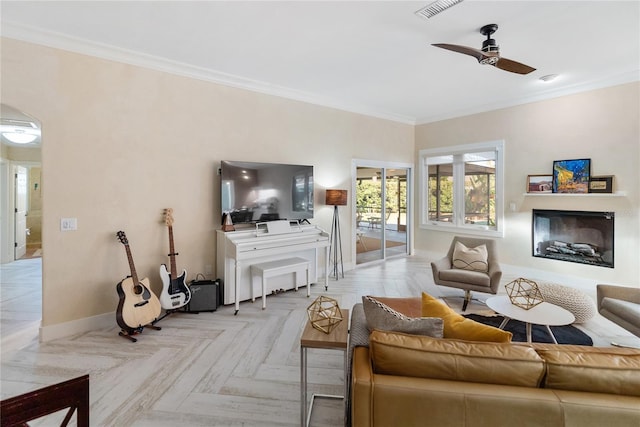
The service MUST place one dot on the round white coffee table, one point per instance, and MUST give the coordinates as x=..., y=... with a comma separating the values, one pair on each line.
x=545, y=314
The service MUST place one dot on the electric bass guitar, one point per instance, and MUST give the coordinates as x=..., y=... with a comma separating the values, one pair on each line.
x=175, y=292
x=138, y=306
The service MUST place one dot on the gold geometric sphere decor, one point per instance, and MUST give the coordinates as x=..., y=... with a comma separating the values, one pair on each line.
x=524, y=293
x=324, y=314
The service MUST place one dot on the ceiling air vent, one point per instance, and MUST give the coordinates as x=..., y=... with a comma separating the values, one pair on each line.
x=431, y=10
x=18, y=123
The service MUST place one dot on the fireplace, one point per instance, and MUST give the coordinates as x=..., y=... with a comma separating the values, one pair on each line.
x=573, y=236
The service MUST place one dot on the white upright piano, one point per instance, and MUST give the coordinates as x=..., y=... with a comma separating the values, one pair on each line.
x=238, y=250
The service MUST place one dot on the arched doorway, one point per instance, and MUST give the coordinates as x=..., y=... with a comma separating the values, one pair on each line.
x=21, y=227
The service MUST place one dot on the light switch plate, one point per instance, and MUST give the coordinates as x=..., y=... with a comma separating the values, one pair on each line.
x=68, y=224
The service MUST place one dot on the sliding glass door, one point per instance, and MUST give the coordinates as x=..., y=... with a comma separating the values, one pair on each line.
x=396, y=212
x=369, y=208
x=381, y=210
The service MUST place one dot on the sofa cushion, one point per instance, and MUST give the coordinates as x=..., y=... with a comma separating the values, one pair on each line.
x=476, y=278
x=381, y=316
x=598, y=369
x=473, y=259
x=459, y=327
x=394, y=353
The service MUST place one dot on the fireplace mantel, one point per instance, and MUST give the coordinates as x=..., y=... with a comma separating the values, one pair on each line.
x=616, y=194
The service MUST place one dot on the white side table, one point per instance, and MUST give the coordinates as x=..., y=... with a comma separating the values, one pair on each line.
x=545, y=314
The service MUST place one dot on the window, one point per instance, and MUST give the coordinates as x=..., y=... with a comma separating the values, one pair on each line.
x=461, y=188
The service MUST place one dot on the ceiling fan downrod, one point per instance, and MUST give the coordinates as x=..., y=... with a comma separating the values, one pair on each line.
x=489, y=45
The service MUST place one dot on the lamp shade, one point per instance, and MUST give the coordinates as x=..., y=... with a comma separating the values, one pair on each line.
x=336, y=197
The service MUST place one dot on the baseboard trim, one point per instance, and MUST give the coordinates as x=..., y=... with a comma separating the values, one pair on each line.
x=107, y=320
x=78, y=326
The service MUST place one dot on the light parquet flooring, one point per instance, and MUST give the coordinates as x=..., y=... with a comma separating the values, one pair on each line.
x=208, y=369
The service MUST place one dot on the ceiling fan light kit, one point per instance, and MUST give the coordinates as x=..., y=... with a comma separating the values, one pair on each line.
x=432, y=9
x=549, y=78
x=490, y=53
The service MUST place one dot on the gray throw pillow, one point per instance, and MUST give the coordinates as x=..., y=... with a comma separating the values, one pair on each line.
x=382, y=317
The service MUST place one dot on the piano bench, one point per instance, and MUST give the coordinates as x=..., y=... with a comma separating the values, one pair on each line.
x=279, y=267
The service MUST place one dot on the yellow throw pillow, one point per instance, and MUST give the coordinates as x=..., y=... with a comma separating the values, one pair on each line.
x=459, y=327
x=472, y=259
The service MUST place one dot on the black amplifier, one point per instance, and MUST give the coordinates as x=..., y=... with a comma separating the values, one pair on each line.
x=206, y=295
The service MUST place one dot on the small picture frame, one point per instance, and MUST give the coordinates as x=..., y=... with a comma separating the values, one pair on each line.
x=601, y=184
x=571, y=176
x=539, y=183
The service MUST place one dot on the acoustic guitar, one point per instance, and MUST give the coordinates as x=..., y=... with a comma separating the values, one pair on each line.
x=175, y=292
x=138, y=306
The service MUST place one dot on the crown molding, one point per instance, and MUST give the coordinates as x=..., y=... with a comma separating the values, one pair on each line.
x=613, y=80
x=109, y=52
x=112, y=53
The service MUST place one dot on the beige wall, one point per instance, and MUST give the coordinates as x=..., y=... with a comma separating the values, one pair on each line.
x=21, y=155
x=121, y=143
x=602, y=125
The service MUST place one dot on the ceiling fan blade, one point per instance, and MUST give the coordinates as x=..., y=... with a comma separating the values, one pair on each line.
x=476, y=53
x=513, y=66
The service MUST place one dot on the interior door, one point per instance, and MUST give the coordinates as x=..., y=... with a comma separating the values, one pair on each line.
x=20, y=212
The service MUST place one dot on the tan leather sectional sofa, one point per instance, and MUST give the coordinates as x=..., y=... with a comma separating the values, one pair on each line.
x=410, y=380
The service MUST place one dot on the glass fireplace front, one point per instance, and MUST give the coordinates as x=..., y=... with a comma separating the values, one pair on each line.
x=574, y=236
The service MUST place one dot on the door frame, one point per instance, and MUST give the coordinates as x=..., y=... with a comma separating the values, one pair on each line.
x=21, y=210
x=6, y=217
x=355, y=163
x=8, y=204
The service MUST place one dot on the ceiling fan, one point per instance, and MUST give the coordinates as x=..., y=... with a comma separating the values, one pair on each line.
x=490, y=52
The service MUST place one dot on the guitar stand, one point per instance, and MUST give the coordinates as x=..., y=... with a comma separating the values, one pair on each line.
x=129, y=334
x=166, y=313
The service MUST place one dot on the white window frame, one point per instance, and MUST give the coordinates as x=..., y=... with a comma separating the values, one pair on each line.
x=458, y=225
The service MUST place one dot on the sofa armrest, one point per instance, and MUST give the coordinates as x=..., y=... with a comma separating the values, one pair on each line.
x=361, y=388
x=617, y=292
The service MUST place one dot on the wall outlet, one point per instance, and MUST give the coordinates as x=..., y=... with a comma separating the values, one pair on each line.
x=68, y=224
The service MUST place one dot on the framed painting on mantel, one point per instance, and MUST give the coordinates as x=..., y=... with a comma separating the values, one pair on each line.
x=571, y=176
x=601, y=184
x=539, y=183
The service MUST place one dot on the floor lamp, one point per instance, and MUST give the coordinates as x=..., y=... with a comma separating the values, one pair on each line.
x=336, y=198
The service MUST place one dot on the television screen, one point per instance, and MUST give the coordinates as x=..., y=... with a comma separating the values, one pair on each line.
x=255, y=192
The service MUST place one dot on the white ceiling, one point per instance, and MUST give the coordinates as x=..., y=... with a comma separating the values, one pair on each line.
x=371, y=57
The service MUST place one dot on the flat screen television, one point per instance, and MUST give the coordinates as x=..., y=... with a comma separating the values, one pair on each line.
x=254, y=192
